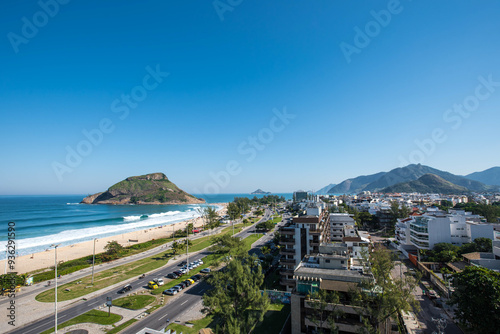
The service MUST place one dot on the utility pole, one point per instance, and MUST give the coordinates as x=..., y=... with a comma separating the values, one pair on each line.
x=55, y=291
x=187, y=248
x=93, y=262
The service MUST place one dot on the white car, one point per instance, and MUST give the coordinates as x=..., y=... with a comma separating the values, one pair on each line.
x=170, y=291
x=205, y=270
x=159, y=281
x=200, y=262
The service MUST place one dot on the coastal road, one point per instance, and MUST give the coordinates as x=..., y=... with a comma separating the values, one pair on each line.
x=158, y=320
x=83, y=306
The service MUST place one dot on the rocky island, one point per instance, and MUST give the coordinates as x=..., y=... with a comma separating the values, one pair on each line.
x=260, y=192
x=153, y=188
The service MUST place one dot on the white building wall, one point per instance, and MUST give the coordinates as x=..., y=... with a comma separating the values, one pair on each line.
x=439, y=231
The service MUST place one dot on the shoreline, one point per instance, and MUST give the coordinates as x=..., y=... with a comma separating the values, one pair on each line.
x=45, y=259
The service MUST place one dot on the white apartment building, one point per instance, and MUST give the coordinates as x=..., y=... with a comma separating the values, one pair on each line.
x=337, y=223
x=457, y=227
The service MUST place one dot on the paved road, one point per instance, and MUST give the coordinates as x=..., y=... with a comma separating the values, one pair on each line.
x=157, y=320
x=428, y=310
x=82, y=306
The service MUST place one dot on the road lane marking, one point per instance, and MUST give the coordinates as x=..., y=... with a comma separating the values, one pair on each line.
x=163, y=317
x=184, y=303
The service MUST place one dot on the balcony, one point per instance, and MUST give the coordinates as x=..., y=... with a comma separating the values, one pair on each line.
x=285, y=251
x=287, y=231
x=287, y=241
x=287, y=261
x=286, y=272
x=287, y=282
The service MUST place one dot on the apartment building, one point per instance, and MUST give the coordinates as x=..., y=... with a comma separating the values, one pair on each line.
x=328, y=270
x=455, y=227
x=302, y=236
x=337, y=222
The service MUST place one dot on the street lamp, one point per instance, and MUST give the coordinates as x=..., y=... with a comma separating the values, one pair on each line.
x=93, y=262
x=55, y=276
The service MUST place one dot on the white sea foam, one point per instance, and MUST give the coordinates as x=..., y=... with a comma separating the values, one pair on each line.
x=128, y=218
x=72, y=203
x=131, y=223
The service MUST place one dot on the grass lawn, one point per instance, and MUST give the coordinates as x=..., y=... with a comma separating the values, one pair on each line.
x=134, y=302
x=105, y=278
x=92, y=316
x=197, y=325
x=274, y=319
x=122, y=326
x=118, y=274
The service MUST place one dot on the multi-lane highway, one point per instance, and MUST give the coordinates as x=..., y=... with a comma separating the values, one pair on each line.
x=157, y=319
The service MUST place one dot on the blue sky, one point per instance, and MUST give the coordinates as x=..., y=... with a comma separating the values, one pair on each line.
x=231, y=71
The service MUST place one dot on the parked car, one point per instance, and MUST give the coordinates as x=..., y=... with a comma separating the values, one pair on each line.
x=187, y=282
x=205, y=270
x=196, y=277
x=159, y=281
x=200, y=262
x=152, y=285
x=178, y=273
x=183, y=270
x=172, y=276
x=126, y=288
x=178, y=287
x=183, y=285
x=431, y=294
x=183, y=263
x=170, y=291
x=192, y=281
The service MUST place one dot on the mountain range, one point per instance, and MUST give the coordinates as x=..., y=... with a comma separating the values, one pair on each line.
x=380, y=181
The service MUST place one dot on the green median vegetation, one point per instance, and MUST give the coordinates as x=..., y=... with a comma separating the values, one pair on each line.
x=93, y=316
x=121, y=273
x=134, y=302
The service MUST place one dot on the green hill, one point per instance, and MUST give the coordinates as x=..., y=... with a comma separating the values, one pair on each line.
x=153, y=188
x=428, y=183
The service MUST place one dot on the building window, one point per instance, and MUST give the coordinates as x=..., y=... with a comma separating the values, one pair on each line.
x=327, y=261
x=342, y=262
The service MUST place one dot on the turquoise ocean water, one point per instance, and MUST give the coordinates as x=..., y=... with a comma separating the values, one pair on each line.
x=44, y=220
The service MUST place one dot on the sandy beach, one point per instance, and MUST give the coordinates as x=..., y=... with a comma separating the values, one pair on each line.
x=27, y=263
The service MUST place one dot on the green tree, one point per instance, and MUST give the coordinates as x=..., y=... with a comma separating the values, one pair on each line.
x=177, y=247
x=324, y=306
x=265, y=250
x=483, y=245
x=113, y=248
x=189, y=228
x=267, y=225
x=235, y=299
x=477, y=296
x=228, y=245
x=444, y=252
x=383, y=296
x=233, y=211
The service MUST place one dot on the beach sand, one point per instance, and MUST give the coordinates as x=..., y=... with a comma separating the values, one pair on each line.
x=42, y=260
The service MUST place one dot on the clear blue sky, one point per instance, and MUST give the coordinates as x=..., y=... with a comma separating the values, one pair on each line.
x=225, y=79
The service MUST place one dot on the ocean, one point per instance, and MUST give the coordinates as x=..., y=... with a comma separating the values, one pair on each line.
x=44, y=220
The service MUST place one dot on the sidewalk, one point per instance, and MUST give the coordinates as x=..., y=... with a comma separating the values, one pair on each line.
x=29, y=310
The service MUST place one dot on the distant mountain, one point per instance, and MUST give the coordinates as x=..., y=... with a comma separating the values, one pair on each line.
x=426, y=184
x=379, y=181
x=490, y=176
x=259, y=192
x=324, y=190
x=153, y=188
x=355, y=185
